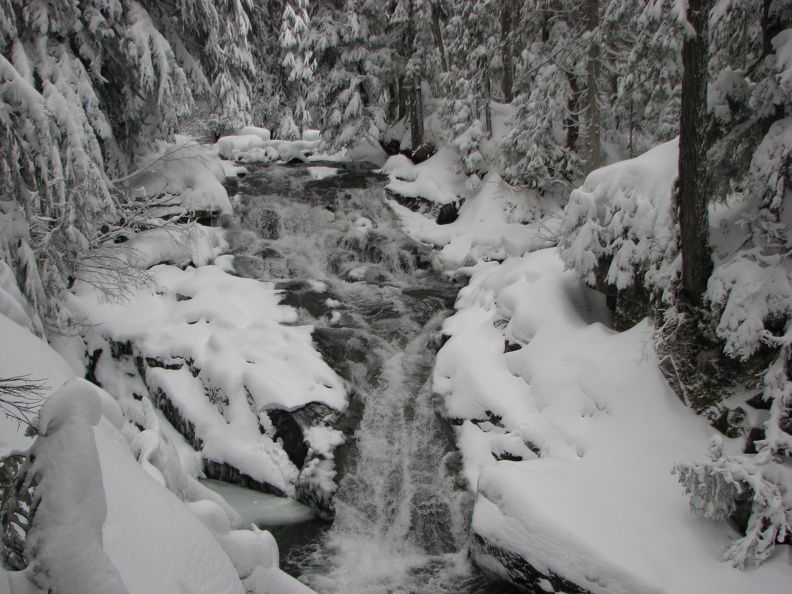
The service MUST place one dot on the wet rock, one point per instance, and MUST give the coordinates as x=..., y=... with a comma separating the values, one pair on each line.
x=344, y=350
x=517, y=570
x=249, y=266
x=302, y=294
x=423, y=152
x=289, y=431
x=221, y=471
x=442, y=214
x=266, y=221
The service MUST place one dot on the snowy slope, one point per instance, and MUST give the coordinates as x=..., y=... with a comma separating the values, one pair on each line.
x=113, y=521
x=568, y=430
x=599, y=506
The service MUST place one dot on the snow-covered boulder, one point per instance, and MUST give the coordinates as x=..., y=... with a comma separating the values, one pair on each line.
x=568, y=438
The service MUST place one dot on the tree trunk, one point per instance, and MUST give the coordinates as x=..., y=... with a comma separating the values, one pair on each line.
x=416, y=114
x=415, y=99
x=571, y=122
x=437, y=33
x=487, y=103
x=403, y=99
x=506, y=26
x=691, y=198
x=594, y=156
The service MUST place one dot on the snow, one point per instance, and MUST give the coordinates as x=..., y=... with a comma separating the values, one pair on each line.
x=118, y=512
x=24, y=354
x=187, y=173
x=624, y=211
x=222, y=333
x=251, y=147
x=495, y=221
x=322, y=172
x=145, y=520
x=599, y=506
x=433, y=180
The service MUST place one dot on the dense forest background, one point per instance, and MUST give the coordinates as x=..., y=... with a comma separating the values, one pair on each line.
x=87, y=87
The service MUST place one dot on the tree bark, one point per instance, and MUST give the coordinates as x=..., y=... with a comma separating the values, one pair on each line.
x=416, y=114
x=571, y=122
x=507, y=58
x=594, y=156
x=691, y=196
x=437, y=33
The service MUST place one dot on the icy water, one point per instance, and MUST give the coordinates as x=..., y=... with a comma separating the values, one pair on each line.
x=335, y=247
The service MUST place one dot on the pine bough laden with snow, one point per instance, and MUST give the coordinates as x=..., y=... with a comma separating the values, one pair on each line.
x=84, y=87
x=620, y=231
x=759, y=486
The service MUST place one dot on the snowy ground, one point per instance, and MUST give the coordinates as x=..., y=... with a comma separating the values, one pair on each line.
x=568, y=430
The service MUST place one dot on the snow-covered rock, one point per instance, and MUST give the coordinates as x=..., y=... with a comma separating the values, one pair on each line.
x=568, y=442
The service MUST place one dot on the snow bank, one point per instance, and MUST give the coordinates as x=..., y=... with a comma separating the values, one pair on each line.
x=23, y=354
x=117, y=511
x=432, y=180
x=495, y=222
x=623, y=212
x=568, y=442
x=186, y=174
x=250, y=146
x=227, y=353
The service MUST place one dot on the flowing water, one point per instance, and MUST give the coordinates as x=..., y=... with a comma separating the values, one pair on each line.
x=335, y=248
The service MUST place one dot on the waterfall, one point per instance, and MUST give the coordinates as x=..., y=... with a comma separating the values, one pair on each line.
x=401, y=522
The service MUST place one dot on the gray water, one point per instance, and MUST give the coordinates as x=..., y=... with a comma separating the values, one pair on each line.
x=334, y=246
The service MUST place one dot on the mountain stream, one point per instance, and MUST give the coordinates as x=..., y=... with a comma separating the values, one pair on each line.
x=328, y=239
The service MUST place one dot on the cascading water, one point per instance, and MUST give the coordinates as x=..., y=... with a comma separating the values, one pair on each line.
x=400, y=522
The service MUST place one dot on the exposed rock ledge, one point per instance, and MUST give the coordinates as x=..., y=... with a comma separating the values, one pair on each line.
x=442, y=214
x=508, y=565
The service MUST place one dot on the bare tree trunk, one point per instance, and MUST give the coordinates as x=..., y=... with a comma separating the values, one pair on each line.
x=437, y=33
x=507, y=58
x=594, y=156
x=571, y=123
x=416, y=114
x=403, y=99
x=416, y=101
x=691, y=197
x=487, y=104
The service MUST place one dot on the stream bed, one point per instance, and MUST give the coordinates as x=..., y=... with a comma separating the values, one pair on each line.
x=328, y=239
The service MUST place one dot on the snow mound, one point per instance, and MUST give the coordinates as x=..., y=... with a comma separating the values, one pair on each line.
x=432, y=180
x=623, y=212
x=495, y=222
x=227, y=352
x=569, y=437
x=251, y=146
x=117, y=512
x=184, y=176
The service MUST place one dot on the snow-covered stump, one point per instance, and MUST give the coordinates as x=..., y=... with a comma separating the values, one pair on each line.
x=64, y=544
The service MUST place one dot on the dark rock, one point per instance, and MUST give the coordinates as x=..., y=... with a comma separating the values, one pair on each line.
x=343, y=349
x=221, y=471
x=423, y=152
x=758, y=402
x=448, y=213
x=521, y=573
x=250, y=266
x=754, y=435
x=510, y=347
x=731, y=422
x=288, y=430
x=391, y=146
x=302, y=294
x=175, y=418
